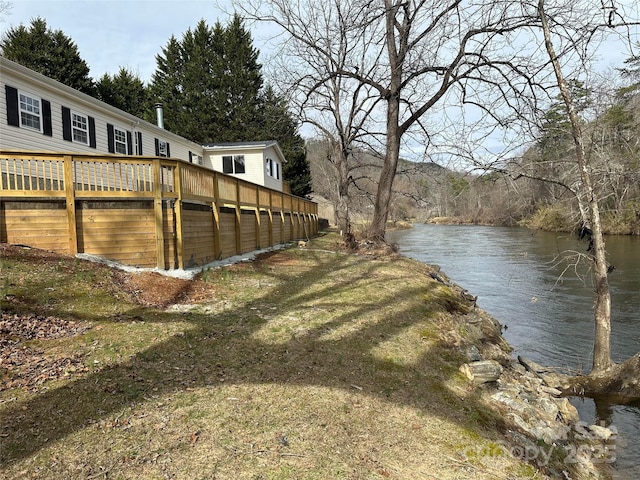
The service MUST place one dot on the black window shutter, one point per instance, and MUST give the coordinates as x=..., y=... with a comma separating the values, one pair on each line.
x=139, y=143
x=190, y=156
x=66, y=124
x=168, y=150
x=157, y=147
x=47, y=127
x=13, y=116
x=110, y=138
x=129, y=143
x=92, y=132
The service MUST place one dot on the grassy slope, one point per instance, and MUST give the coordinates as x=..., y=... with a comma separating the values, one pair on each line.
x=307, y=364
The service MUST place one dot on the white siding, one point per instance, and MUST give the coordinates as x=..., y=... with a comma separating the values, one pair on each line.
x=59, y=95
x=271, y=181
x=19, y=138
x=253, y=163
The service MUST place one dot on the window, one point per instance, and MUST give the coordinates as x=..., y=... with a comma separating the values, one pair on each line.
x=233, y=164
x=80, y=128
x=195, y=158
x=120, y=141
x=162, y=148
x=273, y=168
x=30, y=112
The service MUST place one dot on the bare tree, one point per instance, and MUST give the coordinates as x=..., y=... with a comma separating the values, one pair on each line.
x=602, y=349
x=320, y=44
x=5, y=9
x=602, y=361
x=415, y=55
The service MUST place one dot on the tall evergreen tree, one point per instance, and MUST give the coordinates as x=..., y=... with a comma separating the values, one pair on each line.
x=209, y=83
x=125, y=91
x=49, y=52
x=279, y=124
x=242, y=82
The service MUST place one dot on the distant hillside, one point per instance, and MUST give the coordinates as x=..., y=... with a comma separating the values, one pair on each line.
x=410, y=183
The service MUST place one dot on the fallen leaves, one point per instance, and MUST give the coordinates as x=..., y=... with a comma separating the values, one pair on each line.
x=31, y=326
x=24, y=367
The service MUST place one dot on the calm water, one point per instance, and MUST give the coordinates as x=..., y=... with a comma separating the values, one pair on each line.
x=545, y=303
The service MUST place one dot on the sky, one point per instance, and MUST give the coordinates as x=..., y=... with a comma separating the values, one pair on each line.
x=111, y=34
x=129, y=33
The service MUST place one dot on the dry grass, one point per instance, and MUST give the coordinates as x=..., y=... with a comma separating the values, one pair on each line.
x=305, y=364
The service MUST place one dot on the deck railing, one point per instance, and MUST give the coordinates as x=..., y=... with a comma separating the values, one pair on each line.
x=169, y=185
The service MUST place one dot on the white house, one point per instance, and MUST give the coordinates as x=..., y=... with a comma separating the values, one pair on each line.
x=38, y=113
x=257, y=162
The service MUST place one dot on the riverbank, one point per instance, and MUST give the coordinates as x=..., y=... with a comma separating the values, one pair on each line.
x=543, y=221
x=305, y=362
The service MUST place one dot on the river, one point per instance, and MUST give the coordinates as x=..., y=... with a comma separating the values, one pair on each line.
x=545, y=303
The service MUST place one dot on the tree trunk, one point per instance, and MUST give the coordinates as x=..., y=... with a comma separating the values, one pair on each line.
x=387, y=174
x=620, y=379
x=343, y=217
x=392, y=154
x=602, y=302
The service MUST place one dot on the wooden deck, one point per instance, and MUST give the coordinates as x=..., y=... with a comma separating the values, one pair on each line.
x=142, y=211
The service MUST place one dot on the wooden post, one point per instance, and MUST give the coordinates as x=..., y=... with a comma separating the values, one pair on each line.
x=258, y=220
x=238, y=219
x=178, y=213
x=271, y=242
x=217, y=249
x=157, y=210
x=69, y=191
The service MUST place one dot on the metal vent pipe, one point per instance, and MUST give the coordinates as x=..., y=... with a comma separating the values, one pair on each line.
x=159, y=115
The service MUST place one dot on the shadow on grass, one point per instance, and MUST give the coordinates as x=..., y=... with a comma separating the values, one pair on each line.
x=340, y=323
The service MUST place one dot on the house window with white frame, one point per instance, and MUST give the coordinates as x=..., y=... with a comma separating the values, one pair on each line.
x=195, y=158
x=162, y=148
x=273, y=168
x=120, y=140
x=30, y=112
x=80, y=128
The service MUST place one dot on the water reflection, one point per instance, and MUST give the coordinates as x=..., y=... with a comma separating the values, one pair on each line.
x=546, y=303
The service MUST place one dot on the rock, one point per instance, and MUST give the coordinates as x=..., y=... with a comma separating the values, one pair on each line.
x=483, y=371
x=550, y=391
x=568, y=412
x=549, y=408
x=601, y=433
x=472, y=353
x=518, y=368
x=532, y=366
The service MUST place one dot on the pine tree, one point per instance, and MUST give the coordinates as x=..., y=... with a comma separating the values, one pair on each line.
x=49, y=52
x=279, y=124
x=209, y=83
x=125, y=91
x=242, y=83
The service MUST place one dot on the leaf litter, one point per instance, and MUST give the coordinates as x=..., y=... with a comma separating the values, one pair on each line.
x=24, y=366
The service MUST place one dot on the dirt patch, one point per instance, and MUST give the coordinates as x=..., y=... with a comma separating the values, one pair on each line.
x=155, y=290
